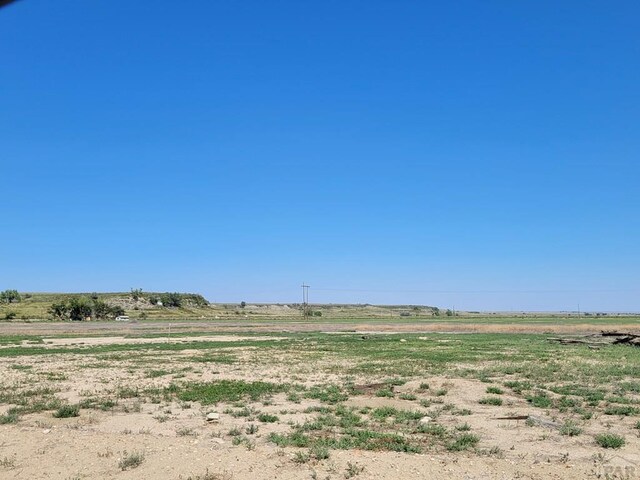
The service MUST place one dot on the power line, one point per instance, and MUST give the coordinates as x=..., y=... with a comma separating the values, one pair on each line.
x=305, y=301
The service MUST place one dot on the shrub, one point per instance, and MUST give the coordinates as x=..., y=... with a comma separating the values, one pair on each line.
x=79, y=308
x=171, y=300
x=490, y=401
x=463, y=442
x=9, y=417
x=67, y=411
x=570, y=429
x=266, y=418
x=610, y=440
x=131, y=460
x=10, y=296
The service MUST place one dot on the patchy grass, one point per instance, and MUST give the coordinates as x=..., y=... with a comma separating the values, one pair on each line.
x=463, y=442
x=267, y=418
x=570, y=429
x=9, y=417
x=67, y=411
x=226, y=391
x=621, y=410
x=495, y=390
x=610, y=440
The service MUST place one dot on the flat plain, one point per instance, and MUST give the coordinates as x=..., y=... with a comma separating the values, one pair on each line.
x=339, y=398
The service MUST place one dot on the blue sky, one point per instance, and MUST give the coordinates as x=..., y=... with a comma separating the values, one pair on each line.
x=482, y=155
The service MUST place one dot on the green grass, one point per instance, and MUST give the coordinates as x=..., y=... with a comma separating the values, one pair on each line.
x=9, y=417
x=540, y=400
x=622, y=410
x=267, y=418
x=463, y=442
x=226, y=391
x=495, y=390
x=490, y=401
x=610, y=440
x=570, y=429
x=331, y=394
x=67, y=411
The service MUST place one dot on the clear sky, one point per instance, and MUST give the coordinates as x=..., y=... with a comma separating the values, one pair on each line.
x=482, y=155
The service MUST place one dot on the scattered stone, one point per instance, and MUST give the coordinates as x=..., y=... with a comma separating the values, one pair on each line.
x=425, y=420
x=403, y=340
x=213, y=417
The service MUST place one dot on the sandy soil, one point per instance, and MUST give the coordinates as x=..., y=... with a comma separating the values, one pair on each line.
x=178, y=443
x=112, y=328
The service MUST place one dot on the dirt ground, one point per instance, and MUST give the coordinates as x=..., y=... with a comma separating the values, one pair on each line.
x=213, y=326
x=175, y=440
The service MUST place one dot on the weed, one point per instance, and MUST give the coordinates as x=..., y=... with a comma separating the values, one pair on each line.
x=7, y=462
x=518, y=386
x=226, y=390
x=495, y=390
x=384, y=392
x=130, y=460
x=570, y=429
x=301, y=457
x=327, y=394
x=490, y=401
x=267, y=418
x=9, y=417
x=610, y=440
x=67, y=411
x=463, y=442
x=251, y=429
x=319, y=452
x=353, y=469
x=622, y=410
x=540, y=399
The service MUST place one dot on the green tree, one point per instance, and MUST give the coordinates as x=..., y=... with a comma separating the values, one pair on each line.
x=10, y=296
x=171, y=299
x=80, y=308
x=136, y=293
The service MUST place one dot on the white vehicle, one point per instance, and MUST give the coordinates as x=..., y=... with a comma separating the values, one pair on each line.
x=122, y=318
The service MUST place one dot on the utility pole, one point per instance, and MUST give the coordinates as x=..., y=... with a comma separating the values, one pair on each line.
x=305, y=301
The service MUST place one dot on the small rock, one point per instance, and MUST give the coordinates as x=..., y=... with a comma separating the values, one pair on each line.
x=403, y=340
x=46, y=430
x=425, y=420
x=213, y=417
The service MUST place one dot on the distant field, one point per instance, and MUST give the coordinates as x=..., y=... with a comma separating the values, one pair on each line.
x=35, y=307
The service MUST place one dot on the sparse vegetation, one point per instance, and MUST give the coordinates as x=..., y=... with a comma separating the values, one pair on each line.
x=610, y=440
x=131, y=460
x=375, y=394
x=67, y=411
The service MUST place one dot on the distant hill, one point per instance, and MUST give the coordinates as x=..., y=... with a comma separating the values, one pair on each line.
x=140, y=305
